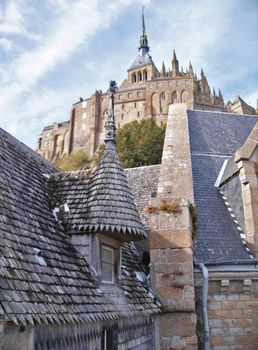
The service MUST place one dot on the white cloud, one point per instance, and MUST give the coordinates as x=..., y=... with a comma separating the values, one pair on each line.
x=75, y=25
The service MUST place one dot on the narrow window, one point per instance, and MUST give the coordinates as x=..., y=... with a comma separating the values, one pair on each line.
x=177, y=83
x=108, y=266
x=135, y=104
x=129, y=95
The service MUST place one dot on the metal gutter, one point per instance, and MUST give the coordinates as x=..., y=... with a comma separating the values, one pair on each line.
x=205, y=274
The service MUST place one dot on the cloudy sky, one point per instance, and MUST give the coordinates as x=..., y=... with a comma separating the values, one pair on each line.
x=55, y=51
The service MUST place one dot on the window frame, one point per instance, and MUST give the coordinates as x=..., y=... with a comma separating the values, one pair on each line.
x=111, y=249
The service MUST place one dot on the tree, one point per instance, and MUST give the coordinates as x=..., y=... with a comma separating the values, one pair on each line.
x=74, y=161
x=140, y=143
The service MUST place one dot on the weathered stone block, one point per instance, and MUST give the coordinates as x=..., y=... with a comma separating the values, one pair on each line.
x=181, y=238
x=178, y=324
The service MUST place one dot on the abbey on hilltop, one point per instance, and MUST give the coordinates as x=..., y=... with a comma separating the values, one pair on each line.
x=146, y=93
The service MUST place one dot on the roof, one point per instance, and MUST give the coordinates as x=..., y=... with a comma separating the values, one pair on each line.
x=42, y=277
x=100, y=200
x=214, y=138
x=141, y=60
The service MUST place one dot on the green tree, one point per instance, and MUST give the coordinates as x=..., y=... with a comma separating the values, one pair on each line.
x=74, y=161
x=140, y=143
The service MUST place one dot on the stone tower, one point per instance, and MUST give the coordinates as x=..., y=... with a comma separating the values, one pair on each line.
x=145, y=93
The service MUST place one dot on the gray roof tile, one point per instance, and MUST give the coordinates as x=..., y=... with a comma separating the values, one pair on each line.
x=215, y=137
x=56, y=285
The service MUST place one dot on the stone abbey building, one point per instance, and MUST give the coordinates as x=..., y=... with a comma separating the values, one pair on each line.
x=145, y=93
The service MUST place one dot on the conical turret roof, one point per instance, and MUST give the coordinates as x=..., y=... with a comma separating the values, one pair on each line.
x=111, y=205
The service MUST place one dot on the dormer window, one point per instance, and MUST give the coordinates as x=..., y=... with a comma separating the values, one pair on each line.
x=108, y=264
x=110, y=259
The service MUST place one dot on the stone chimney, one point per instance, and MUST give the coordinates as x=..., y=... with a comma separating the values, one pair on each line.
x=171, y=246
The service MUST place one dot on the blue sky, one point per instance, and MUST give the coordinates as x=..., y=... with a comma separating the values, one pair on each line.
x=55, y=51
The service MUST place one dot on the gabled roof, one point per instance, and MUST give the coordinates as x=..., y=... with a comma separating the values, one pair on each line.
x=214, y=138
x=42, y=277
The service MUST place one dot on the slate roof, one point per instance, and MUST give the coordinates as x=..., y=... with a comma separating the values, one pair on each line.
x=42, y=277
x=141, y=61
x=98, y=201
x=215, y=137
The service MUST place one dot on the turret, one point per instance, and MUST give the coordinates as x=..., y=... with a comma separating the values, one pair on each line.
x=163, y=70
x=175, y=69
x=191, y=69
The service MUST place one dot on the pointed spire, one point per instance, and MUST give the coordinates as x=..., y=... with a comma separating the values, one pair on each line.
x=214, y=92
x=190, y=68
x=163, y=69
x=144, y=47
x=174, y=55
x=175, y=69
x=110, y=126
x=202, y=74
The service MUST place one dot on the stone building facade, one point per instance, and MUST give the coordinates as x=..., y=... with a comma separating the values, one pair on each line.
x=206, y=275
x=239, y=106
x=146, y=93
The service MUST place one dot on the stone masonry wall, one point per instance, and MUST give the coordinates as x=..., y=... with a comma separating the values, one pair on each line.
x=171, y=252
x=232, y=311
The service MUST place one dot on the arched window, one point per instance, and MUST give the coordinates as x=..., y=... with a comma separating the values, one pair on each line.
x=134, y=78
x=174, y=97
x=139, y=76
x=145, y=75
x=163, y=95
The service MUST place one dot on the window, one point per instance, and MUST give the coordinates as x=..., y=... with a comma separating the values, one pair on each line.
x=135, y=105
x=169, y=83
x=129, y=95
x=177, y=83
x=122, y=116
x=158, y=85
x=120, y=97
x=139, y=94
x=187, y=82
x=138, y=114
x=107, y=264
x=84, y=115
x=163, y=95
x=109, y=338
x=123, y=107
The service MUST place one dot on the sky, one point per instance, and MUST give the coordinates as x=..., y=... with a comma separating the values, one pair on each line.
x=53, y=52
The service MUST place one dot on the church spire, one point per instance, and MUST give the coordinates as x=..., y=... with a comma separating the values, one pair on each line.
x=110, y=126
x=144, y=47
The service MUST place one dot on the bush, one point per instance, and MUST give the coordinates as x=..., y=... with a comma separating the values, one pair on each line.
x=140, y=143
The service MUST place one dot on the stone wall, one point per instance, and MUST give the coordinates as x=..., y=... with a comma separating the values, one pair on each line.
x=232, y=310
x=171, y=252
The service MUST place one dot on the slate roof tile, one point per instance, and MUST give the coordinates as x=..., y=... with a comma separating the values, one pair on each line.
x=43, y=278
x=215, y=137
